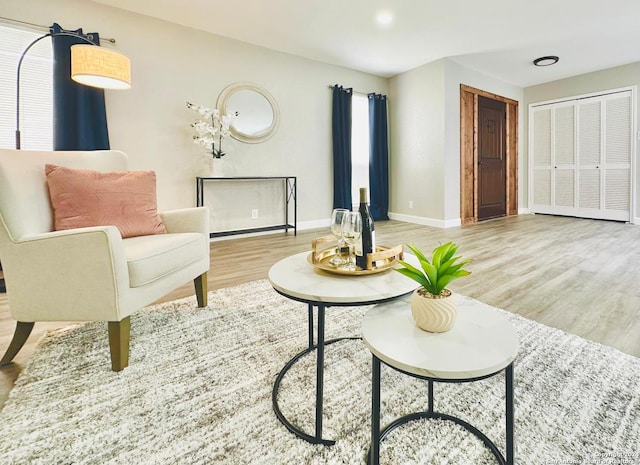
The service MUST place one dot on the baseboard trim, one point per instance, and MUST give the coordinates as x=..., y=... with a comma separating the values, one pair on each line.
x=425, y=221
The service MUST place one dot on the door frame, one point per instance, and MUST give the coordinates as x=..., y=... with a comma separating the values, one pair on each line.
x=469, y=153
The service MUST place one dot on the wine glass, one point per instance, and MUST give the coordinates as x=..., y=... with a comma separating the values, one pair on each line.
x=351, y=232
x=336, y=229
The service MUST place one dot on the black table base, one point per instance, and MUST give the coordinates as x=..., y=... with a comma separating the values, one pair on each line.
x=378, y=435
x=319, y=348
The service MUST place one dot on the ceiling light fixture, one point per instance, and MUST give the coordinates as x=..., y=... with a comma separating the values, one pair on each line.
x=384, y=18
x=546, y=61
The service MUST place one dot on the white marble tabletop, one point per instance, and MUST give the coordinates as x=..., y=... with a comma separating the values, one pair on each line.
x=295, y=277
x=481, y=342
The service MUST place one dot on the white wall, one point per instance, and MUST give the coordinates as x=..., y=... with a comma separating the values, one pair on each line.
x=172, y=64
x=425, y=140
x=416, y=125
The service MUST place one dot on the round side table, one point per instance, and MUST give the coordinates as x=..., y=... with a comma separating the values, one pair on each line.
x=294, y=277
x=481, y=344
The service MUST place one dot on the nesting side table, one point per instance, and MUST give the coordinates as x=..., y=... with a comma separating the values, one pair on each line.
x=481, y=344
x=295, y=278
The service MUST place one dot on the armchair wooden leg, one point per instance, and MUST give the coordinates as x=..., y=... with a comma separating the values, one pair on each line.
x=119, y=343
x=20, y=336
x=201, y=289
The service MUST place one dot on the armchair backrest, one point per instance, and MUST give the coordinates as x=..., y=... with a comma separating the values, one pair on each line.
x=24, y=197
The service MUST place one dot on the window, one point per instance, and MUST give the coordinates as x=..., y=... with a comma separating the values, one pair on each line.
x=359, y=146
x=36, y=95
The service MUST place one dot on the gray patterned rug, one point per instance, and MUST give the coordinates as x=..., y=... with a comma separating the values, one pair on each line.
x=198, y=391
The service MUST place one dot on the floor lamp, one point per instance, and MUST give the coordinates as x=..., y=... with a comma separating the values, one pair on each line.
x=91, y=65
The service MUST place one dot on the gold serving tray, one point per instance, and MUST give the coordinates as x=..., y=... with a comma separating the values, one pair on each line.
x=384, y=258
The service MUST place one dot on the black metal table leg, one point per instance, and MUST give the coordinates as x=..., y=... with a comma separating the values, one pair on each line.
x=509, y=414
x=374, y=454
x=320, y=371
x=310, y=318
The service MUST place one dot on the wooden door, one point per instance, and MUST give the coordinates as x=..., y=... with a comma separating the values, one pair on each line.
x=469, y=135
x=492, y=158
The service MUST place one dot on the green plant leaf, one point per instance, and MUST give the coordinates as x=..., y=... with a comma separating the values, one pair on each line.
x=436, y=255
x=444, y=268
x=417, y=253
x=450, y=252
x=453, y=269
x=431, y=272
x=445, y=280
x=409, y=267
x=415, y=275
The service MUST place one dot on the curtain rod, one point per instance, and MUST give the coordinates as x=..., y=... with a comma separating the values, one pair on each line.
x=354, y=91
x=46, y=28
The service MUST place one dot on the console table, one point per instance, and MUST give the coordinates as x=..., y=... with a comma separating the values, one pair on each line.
x=290, y=194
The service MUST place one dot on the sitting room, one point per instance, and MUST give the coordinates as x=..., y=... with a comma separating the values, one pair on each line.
x=177, y=284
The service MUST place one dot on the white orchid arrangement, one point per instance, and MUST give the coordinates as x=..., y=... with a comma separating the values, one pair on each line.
x=209, y=128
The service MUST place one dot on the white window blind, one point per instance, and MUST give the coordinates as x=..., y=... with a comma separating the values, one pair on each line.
x=359, y=146
x=36, y=95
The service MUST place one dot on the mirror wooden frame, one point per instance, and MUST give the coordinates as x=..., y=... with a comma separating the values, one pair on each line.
x=223, y=100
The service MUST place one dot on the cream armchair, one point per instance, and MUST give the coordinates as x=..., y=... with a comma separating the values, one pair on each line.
x=92, y=273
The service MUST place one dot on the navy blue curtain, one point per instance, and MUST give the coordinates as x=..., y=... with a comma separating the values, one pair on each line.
x=341, y=130
x=79, y=114
x=378, y=157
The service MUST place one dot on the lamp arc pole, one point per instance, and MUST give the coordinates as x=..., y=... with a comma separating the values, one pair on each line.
x=24, y=53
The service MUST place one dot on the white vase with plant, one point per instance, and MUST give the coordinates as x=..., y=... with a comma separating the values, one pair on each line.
x=210, y=130
x=432, y=306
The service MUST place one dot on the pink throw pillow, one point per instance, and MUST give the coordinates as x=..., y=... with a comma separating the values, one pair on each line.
x=125, y=199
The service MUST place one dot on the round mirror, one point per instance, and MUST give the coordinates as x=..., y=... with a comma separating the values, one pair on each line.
x=256, y=111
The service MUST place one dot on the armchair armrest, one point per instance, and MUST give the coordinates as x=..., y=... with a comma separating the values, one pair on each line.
x=82, y=273
x=194, y=219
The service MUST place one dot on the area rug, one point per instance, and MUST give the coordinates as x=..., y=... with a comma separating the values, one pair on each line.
x=198, y=391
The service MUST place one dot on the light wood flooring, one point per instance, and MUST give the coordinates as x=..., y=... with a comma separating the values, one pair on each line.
x=582, y=276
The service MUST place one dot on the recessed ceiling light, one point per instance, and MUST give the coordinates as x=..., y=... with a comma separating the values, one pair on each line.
x=546, y=61
x=384, y=18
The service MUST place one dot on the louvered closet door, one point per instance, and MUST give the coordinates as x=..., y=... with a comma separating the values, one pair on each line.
x=541, y=167
x=564, y=159
x=553, y=151
x=616, y=164
x=589, y=146
x=581, y=157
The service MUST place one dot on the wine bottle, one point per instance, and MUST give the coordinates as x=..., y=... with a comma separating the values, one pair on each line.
x=367, y=243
